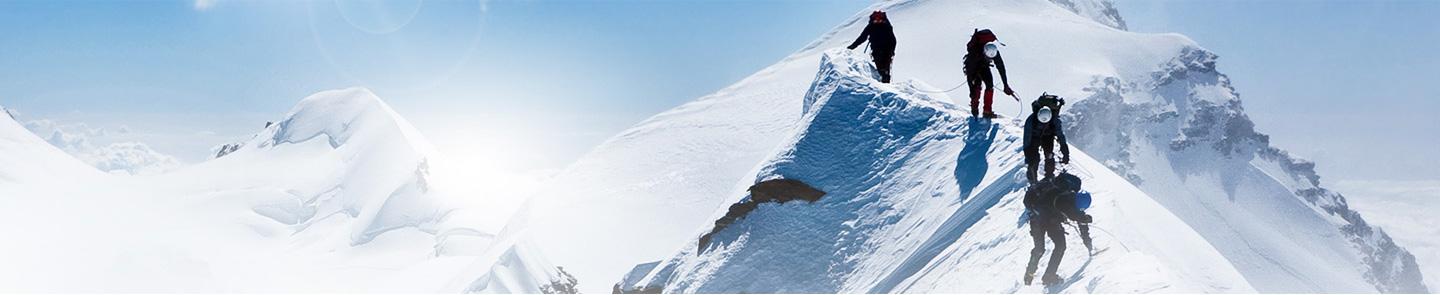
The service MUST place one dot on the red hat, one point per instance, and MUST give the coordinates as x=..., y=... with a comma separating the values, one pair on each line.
x=878, y=15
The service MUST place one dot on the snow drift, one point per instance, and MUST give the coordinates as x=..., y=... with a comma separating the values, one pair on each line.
x=672, y=171
x=337, y=196
x=922, y=198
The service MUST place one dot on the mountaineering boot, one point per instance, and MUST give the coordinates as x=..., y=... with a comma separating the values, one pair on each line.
x=974, y=113
x=989, y=115
x=1050, y=279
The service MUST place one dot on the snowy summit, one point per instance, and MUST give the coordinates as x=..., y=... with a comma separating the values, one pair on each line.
x=1151, y=109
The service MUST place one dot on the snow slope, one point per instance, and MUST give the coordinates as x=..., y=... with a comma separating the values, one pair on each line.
x=669, y=173
x=921, y=198
x=28, y=158
x=337, y=197
x=1182, y=135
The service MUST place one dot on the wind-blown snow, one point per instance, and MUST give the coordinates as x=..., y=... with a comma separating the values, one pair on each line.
x=670, y=173
x=923, y=199
x=337, y=197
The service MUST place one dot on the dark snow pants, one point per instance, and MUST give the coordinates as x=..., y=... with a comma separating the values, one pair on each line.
x=882, y=64
x=1039, y=228
x=1032, y=161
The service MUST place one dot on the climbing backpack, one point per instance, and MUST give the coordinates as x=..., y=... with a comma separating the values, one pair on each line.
x=878, y=16
x=1048, y=100
x=1071, y=186
x=1082, y=200
x=980, y=37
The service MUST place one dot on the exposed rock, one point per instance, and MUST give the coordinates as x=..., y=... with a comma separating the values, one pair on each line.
x=563, y=284
x=769, y=191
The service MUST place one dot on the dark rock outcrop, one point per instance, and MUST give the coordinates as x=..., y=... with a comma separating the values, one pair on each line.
x=769, y=191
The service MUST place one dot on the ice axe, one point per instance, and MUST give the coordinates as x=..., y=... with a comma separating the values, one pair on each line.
x=1022, y=106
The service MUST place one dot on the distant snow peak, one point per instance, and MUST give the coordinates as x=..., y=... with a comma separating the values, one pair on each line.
x=337, y=115
x=362, y=172
x=1188, y=112
x=1102, y=11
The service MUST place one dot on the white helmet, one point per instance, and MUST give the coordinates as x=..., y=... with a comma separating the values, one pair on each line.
x=1044, y=115
x=991, y=50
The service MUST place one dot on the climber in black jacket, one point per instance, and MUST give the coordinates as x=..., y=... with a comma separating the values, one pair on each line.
x=882, y=43
x=1042, y=131
x=1049, y=203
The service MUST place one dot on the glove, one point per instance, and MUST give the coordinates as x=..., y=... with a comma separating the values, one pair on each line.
x=1085, y=218
x=850, y=47
x=1009, y=91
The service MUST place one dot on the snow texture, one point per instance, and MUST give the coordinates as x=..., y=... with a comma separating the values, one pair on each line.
x=338, y=197
x=673, y=172
x=924, y=199
x=1182, y=134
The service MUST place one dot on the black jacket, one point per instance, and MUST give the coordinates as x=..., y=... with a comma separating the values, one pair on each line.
x=1037, y=134
x=881, y=36
x=975, y=60
x=1050, y=204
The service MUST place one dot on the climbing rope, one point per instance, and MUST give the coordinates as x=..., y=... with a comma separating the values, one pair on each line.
x=1112, y=236
x=940, y=91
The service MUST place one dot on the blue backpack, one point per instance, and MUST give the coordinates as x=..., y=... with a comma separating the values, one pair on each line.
x=1082, y=200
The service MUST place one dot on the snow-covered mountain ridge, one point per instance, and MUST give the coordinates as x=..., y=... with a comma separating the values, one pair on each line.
x=919, y=199
x=672, y=172
x=1188, y=112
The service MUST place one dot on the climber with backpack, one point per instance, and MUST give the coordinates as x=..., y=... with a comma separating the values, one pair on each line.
x=1049, y=204
x=1042, y=130
x=980, y=53
x=882, y=43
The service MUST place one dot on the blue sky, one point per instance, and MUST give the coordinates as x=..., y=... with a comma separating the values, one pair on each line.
x=1338, y=82
x=545, y=79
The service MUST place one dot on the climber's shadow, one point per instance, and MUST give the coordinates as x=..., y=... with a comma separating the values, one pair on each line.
x=970, y=169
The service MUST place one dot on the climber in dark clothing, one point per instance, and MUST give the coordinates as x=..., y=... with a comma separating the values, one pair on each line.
x=1049, y=203
x=1042, y=130
x=979, y=53
x=882, y=43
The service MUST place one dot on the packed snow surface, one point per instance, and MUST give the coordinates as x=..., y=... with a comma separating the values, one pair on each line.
x=336, y=197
